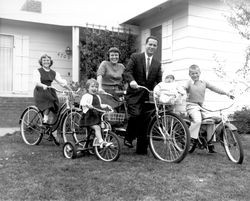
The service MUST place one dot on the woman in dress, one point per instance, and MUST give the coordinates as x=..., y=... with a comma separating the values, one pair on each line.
x=109, y=76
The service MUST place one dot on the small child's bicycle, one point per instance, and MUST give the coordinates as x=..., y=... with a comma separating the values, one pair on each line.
x=84, y=140
x=31, y=121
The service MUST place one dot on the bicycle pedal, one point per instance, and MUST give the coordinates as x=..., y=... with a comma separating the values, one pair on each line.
x=120, y=129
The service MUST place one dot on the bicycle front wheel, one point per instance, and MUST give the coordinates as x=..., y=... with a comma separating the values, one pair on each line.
x=31, y=126
x=169, y=137
x=109, y=153
x=70, y=127
x=232, y=145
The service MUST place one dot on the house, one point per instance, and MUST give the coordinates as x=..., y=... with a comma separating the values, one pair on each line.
x=190, y=31
x=24, y=37
x=193, y=32
x=26, y=33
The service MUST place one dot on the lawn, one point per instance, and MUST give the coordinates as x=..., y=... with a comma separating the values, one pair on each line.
x=42, y=173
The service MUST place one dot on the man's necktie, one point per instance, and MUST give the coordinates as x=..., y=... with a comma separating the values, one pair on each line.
x=147, y=66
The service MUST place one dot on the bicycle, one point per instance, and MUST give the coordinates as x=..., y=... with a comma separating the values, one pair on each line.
x=31, y=121
x=223, y=132
x=88, y=142
x=167, y=132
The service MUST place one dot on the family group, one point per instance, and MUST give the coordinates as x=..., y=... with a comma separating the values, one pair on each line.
x=143, y=69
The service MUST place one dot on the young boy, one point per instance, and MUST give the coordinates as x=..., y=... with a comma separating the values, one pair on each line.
x=167, y=91
x=196, y=89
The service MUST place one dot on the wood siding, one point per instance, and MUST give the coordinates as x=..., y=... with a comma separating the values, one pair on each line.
x=40, y=39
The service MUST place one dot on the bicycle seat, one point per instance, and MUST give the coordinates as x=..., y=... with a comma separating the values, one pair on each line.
x=211, y=120
x=120, y=92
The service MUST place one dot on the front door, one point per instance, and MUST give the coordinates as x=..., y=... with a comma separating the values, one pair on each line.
x=157, y=32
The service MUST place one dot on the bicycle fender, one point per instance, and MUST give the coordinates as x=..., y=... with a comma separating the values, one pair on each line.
x=67, y=112
x=29, y=107
x=231, y=126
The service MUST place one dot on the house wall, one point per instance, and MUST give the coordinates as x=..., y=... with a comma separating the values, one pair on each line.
x=211, y=42
x=197, y=32
x=33, y=40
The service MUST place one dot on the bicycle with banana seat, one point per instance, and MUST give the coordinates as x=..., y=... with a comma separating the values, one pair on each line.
x=167, y=133
x=84, y=140
x=31, y=121
x=224, y=131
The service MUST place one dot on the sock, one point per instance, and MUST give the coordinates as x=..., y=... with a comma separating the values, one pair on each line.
x=45, y=118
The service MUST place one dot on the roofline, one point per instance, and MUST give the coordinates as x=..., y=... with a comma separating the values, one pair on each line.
x=136, y=20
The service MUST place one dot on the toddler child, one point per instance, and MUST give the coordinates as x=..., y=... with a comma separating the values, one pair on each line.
x=91, y=117
x=168, y=91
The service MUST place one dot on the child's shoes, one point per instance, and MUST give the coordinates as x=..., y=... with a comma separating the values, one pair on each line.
x=102, y=143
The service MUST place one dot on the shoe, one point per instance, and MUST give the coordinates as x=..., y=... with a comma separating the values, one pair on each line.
x=211, y=148
x=128, y=144
x=106, y=144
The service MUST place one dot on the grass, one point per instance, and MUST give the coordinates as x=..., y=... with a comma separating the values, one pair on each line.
x=42, y=173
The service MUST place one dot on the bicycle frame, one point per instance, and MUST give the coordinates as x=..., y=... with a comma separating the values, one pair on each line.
x=65, y=108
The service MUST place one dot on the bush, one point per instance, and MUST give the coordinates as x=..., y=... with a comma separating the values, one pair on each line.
x=94, y=45
x=242, y=120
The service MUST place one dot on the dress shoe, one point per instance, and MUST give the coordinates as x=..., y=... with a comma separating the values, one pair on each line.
x=128, y=144
x=211, y=148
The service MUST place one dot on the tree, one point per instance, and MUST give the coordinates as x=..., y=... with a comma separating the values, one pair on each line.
x=239, y=18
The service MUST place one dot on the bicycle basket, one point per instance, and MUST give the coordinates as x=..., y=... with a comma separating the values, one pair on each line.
x=115, y=117
x=64, y=97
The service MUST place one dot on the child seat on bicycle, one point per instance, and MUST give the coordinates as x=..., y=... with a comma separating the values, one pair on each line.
x=167, y=91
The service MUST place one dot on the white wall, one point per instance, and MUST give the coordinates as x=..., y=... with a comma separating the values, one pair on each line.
x=42, y=39
x=197, y=32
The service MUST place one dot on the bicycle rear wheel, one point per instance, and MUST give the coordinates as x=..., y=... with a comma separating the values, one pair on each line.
x=112, y=152
x=70, y=127
x=31, y=126
x=232, y=145
x=169, y=137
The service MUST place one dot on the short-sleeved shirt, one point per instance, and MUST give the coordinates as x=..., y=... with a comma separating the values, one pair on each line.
x=111, y=73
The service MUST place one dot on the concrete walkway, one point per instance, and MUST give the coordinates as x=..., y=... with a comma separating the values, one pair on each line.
x=4, y=131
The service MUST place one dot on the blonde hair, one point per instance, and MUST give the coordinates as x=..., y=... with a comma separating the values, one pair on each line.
x=89, y=82
x=194, y=67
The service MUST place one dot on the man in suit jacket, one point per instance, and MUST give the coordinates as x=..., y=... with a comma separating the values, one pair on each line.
x=142, y=69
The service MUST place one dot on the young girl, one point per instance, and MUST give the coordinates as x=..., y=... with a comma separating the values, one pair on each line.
x=90, y=116
x=45, y=98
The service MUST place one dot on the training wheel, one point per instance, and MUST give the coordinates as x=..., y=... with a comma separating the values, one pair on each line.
x=69, y=150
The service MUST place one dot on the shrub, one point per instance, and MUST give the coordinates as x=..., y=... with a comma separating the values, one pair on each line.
x=242, y=120
x=94, y=45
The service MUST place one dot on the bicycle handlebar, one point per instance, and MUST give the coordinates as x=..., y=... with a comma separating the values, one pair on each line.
x=102, y=110
x=64, y=91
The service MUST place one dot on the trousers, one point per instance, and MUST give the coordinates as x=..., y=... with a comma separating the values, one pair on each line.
x=196, y=114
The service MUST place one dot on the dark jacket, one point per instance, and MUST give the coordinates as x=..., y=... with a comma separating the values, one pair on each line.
x=136, y=70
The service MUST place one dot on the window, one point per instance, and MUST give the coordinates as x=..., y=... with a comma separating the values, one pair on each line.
x=6, y=63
